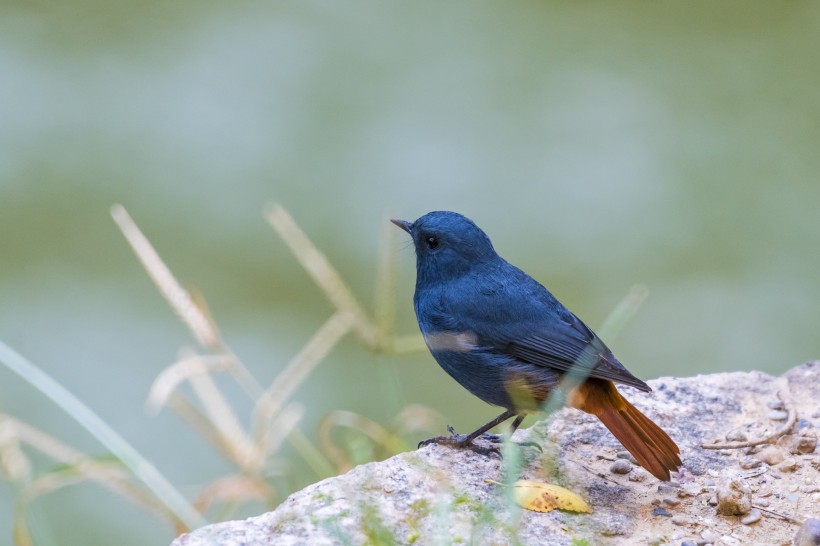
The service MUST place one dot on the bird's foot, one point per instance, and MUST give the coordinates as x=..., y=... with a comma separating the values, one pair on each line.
x=462, y=441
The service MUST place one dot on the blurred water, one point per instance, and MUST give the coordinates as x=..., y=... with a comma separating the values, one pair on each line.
x=599, y=146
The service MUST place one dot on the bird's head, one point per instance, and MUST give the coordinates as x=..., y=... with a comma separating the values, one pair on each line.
x=447, y=245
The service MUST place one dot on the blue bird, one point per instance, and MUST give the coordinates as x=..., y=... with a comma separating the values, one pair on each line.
x=506, y=339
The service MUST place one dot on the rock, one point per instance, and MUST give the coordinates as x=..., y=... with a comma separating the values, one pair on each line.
x=753, y=516
x=671, y=501
x=439, y=495
x=709, y=536
x=750, y=461
x=638, y=475
x=734, y=498
x=788, y=465
x=621, y=466
x=681, y=520
x=803, y=445
x=690, y=490
x=770, y=455
x=667, y=489
x=661, y=511
x=809, y=533
x=736, y=435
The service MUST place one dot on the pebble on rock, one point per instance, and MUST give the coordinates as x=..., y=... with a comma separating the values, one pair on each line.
x=770, y=455
x=690, y=490
x=621, y=466
x=809, y=533
x=637, y=475
x=734, y=498
x=803, y=445
x=753, y=516
x=788, y=465
x=680, y=521
x=736, y=435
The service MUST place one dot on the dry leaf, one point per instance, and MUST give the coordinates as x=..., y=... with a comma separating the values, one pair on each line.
x=545, y=497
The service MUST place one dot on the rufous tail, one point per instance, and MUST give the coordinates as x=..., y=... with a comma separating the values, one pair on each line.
x=646, y=441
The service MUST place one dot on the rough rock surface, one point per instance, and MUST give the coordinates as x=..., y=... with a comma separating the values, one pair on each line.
x=438, y=495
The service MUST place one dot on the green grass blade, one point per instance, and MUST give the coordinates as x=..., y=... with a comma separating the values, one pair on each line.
x=107, y=436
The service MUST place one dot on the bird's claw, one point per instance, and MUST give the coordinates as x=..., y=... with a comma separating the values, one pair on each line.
x=460, y=441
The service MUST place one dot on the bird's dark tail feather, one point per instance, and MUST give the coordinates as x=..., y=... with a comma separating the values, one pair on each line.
x=646, y=441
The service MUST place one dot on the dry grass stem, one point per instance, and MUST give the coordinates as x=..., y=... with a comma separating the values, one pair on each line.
x=322, y=272
x=791, y=420
x=174, y=375
x=181, y=301
x=283, y=425
x=220, y=413
x=13, y=460
x=232, y=489
x=298, y=369
x=380, y=436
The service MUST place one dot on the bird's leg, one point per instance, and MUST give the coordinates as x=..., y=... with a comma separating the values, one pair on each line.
x=466, y=440
x=513, y=427
x=496, y=438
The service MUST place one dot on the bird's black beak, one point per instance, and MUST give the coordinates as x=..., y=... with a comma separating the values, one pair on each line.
x=403, y=224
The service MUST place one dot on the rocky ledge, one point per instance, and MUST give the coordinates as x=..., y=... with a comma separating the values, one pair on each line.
x=751, y=476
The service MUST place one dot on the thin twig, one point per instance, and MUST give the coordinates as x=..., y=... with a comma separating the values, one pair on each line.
x=181, y=301
x=778, y=514
x=790, y=421
x=322, y=272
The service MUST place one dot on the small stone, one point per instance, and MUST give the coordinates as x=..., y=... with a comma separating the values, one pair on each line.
x=750, y=461
x=809, y=533
x=775, y=404
x=680, y=521
x=809, y=488
x=667, y=489
x=709, y=536
x=713, y=500
x=788, y=465
x=770, y=455
x=671, y=501
x=803, y=445
x=729, y=540
x=753, y=516
x=763, y=502
x=637, y=475
x=736, y=435
x=734, y=498
x=688, y=543
x=621, y=466
x=657, y=540
x=661, y=511
x=777, y=415
x=689, y=490
x=628, y=456
x=764, y=491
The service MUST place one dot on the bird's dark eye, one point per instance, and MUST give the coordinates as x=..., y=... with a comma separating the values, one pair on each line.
x=432, y=242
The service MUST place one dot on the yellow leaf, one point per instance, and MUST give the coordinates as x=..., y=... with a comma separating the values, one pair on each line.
x=545, y=497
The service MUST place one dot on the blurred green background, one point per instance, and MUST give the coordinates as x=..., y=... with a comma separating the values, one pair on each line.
x=599, y=145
